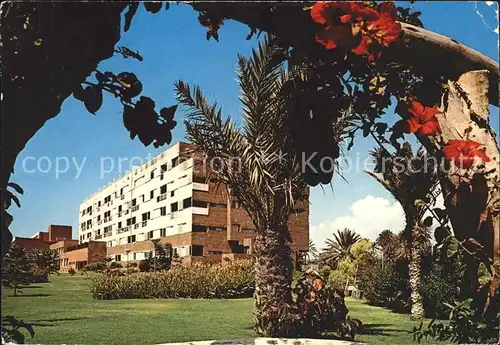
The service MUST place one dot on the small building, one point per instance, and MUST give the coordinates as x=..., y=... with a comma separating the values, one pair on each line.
x=77, y=256
x=42, y=239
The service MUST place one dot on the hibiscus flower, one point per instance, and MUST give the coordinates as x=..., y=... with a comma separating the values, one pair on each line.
x=464, y=153
x=422, y=121
x=317, y=284
x=379, y=33
x=343, y=20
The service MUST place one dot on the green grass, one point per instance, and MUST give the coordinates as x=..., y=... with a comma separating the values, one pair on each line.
x=63, y=311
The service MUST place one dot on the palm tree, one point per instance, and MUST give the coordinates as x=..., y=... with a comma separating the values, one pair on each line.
x=410, y=179
x=258, y=164
x=388, y=243
x=339, y=247
x=312, y=252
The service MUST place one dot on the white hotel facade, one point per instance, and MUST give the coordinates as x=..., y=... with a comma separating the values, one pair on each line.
x=165, y=199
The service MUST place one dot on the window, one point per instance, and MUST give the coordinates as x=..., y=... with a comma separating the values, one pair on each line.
x=174, y=207
x=163, y=232
x=235, y=227
x=98, y=231
x=149, y=235
x=199, y=179
x=196, y=250
x=134, y=202
x=199, y=228
x=235, y=204
x=121, y=191
x=163, y=189
x=108, y=228
x=152, y=194
x=98, y=217
x=163, y=211
x=119, y=225
x=141, y=198
x=131, y=221
x=175, y=162
x=107, y=214
x=110, y=243
x=120, y=208
x=152, y=175
x=88, y=235
x=107, y=199
x=214, y=204
x=99, y=204
x=134, y=256
x=217, y=228
x=186, y=203
x=118, y=257
x=198, y=203
x=131, y=239
x=146, y=216
x=163, y=168
x=214, y=252
x=172, y=193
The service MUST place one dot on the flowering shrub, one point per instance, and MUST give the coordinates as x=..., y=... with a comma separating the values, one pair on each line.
x=234, y=279
x=464, y=153
x=322, y=308
x=356, y=27
x=422, y=120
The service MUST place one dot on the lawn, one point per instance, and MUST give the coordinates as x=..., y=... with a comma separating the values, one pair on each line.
x=63, y=311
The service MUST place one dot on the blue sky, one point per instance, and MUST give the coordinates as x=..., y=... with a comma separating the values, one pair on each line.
x=174, y=47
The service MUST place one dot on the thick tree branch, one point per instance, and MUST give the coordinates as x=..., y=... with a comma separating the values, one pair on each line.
x=431, y=54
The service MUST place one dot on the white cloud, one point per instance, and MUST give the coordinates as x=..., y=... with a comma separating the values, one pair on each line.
x=368, y=217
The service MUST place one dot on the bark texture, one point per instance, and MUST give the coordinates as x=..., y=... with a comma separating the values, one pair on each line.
x=415, y=268
x=273, y=276
x=473, y=203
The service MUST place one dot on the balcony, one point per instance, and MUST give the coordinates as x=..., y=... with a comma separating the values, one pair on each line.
x=107, y=234
x=126, y=212
x=99, y=222
x=125, y=229
x=174, y=214
x=135, y=208
x=144, y=223
x=98, y=237
x=200, y=210
x=136, y=226
x=161, y=197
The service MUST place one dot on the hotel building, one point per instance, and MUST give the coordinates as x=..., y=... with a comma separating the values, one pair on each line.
x=167, y=199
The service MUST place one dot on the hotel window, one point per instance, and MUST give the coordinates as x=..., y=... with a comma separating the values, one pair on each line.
x=107, y=199
x=217, y=228
x=131, y=221
x=120, y=208
x=119, y=225
x=134, y=202
x=186, y=203
x=98, y=231
x=163, y=189
x=121, y=190
x=149, y=235
x=163, y=232
x=152, y=175
x=174, y=207
x=214, y=204
x=163, y=211
x=235, y=204
x=98, y=217
x=134, y=256
x=198, y=203
x=196, y=250
x=199, y=179
x=88, y=235
x=99, y=203
x=107, y=214
x=175, y=162
x=131, y=239
x=235, y=227
x=172, y=193
x=110, y=243
x=199, y=228
x=118, y=257
x=214, y=252
x=146, y=216
x=152, y=194
x=163, y=168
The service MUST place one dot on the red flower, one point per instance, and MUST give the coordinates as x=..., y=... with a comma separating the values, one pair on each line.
x=464, y=152
x=422, y=121
x=317, y=284
x=379, y=33
x=343, y=20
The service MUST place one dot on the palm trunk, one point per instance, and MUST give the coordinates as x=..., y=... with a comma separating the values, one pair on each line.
x=273, y=277
x=417, y=305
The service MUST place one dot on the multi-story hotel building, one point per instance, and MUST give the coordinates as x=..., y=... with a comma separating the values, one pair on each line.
x=170, y=200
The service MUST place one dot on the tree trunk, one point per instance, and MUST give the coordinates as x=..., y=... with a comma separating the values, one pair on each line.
x=273, y=278
x=417, y=305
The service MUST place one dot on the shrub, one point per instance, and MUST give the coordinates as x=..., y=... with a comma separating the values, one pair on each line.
x=71, y=271
x=232, y=279
x=145, y=265
x=16, y=269
x=98, y=266
x=131, y=264
x=322, y=308
x=43, y=262
x=115, y=264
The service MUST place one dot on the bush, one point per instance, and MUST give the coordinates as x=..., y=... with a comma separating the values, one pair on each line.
x=98, y=266
x=322, y=308
x=115, y=264
x=234, y=279
x=145, y=265
x=131, y=264
x=71, y=271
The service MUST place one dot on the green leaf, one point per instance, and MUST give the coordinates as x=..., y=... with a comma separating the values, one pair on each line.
x=419, y=202
x=452, y=247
